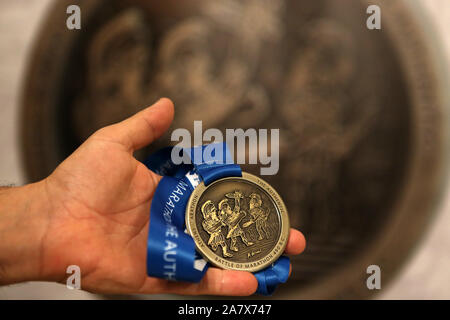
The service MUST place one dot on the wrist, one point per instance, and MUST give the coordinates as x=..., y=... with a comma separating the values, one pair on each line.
x=24, y=217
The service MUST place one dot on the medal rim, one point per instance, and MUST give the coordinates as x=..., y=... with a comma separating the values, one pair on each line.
x=208, y=254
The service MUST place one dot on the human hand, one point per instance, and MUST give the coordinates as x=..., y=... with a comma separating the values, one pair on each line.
x=98, y=216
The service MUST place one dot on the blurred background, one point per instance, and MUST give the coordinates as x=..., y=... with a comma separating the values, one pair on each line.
x=363, y=116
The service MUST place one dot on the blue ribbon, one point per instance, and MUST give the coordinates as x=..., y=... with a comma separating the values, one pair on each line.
x=270, y=277
x=171, y=251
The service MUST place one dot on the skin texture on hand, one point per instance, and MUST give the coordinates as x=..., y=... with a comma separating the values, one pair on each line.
x=94, y=213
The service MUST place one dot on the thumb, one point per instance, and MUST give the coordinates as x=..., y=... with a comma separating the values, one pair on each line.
x=142, y=128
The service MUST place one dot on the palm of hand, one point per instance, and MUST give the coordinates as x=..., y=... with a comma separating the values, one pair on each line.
x=103, y=213
x=100, y=198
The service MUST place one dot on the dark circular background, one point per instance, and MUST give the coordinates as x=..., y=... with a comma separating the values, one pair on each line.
x=361, y=119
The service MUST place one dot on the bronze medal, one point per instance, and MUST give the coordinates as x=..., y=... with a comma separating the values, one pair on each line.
x=238, y=223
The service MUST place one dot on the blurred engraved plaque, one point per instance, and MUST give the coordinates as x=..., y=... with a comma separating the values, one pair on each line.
x=360, y=118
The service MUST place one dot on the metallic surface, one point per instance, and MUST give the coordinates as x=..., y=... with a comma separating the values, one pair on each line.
x=238, y=223
x=363, y=130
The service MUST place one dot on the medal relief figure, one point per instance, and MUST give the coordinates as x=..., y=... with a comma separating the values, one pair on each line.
x=213, y=225
x=259, y=216
x=232, y=218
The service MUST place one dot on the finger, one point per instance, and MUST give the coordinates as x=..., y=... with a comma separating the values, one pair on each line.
x=143, y=128
x=215, y=282
x=296, y=242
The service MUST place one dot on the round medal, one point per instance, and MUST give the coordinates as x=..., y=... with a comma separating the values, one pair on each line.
x=238, y=223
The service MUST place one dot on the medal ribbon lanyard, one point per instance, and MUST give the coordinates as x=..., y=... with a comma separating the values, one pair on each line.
x=171, y=251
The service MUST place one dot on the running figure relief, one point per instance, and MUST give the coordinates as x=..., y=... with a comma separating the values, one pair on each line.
x=227, y=220
x=213, y=225
x=259, y=216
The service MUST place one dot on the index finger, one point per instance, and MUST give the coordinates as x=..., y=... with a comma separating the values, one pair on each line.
x=215, y=282
x=296, y=242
